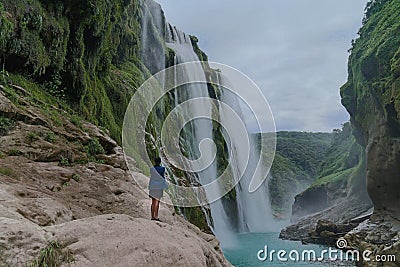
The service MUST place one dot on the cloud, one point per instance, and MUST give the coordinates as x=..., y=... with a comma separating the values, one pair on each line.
x=294, y=50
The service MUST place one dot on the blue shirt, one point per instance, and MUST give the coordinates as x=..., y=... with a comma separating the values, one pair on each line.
x=157, y=179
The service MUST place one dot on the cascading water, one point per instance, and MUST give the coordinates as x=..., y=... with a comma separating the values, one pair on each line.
x=153, y=29
x=253, y=211
x=203, y=129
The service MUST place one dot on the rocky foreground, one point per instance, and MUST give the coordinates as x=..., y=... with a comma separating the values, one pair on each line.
x=65, y=191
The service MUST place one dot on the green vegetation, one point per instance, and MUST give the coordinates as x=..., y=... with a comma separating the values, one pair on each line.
x=94, y=147
x=6, y=30
x=53, y=255
x=341, y=175
x=77, y=121
x=305, y=161
x=303, y=149
x=296, y=163
x=5, y=125
x=202, y=56
x=374, y=69
x=85, y=53
x=50, y=137
x=195, y=215
x=76, y=177
x=334, y=177
x=7, y=172
x=14, y=152
x=64, y=161
x=344, y=154
x=32, y=137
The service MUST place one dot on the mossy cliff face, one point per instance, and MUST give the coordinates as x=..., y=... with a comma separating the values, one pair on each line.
x=372, y=97
x=295, y=167
x=338, y=177
x=85, y=51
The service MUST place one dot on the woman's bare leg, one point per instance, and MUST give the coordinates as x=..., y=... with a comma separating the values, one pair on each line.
x=156, y=207
x=153, y=207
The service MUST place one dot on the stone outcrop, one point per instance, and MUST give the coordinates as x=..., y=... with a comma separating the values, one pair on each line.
x=51, y=190
x=344, y=217
x=381, y=236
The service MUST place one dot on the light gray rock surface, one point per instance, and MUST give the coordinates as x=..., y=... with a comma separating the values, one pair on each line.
x=95, y=211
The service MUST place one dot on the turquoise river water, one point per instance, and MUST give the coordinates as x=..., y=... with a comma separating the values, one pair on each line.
x=243, y=252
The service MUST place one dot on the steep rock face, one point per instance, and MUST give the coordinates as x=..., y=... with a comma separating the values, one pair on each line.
x=372, y=97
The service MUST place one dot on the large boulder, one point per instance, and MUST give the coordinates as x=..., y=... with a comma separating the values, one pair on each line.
x=121, y=240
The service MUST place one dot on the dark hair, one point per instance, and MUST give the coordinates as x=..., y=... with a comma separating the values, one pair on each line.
x=157, y=160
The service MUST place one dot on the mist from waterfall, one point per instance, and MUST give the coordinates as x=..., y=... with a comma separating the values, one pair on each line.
x=254, y=209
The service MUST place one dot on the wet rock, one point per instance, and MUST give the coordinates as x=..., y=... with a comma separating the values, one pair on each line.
x=332, y=220
x=379, y=235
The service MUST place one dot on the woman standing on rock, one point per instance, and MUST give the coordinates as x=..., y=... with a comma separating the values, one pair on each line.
x=157, y=185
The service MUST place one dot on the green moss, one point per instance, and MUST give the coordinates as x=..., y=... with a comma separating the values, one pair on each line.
x=374, y=67
x=169, y=57
x=94, y=147
x=202, y=56
x=196, y=216
x=75, y=51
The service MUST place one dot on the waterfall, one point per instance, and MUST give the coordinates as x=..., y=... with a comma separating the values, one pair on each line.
x=153, y=30
x=253, y=211
x=203, y=129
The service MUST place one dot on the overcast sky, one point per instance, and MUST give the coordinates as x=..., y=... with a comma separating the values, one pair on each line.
x=294, y=50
